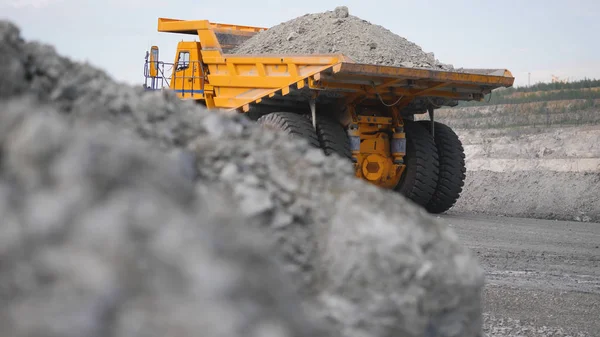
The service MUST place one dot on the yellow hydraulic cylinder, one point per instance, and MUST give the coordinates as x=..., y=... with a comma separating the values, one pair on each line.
x=398, y=146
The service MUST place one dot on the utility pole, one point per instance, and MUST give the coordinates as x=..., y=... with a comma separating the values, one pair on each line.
x=529, y=79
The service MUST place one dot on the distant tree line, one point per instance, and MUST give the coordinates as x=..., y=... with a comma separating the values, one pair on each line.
x=582, y=84
x=541, y=92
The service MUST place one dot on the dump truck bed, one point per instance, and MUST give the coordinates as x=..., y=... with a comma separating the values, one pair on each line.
x=362, y=81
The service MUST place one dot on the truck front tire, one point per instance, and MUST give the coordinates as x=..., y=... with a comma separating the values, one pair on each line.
x=332, y=137
x=295, y=125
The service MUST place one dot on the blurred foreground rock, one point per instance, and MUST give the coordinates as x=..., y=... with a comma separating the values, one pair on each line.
x=236, y=231
x=102, y=236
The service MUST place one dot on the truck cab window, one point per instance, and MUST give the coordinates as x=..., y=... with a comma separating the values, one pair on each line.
x=183, y=61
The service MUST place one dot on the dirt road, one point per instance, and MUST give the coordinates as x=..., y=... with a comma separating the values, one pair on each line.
x=543, y=277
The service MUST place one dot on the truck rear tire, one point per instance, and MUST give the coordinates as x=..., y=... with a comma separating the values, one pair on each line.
x=332, y=137
x=419, y=179
x=451, y=166
x=296, y=125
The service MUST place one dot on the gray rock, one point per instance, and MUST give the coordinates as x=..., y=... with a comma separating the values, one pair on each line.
x=341, y=12
x=253, y=201
x=292, y=36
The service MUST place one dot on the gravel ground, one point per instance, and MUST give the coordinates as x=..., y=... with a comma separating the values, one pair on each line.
x=542, y=276
x=359, y=261
x=338, y=32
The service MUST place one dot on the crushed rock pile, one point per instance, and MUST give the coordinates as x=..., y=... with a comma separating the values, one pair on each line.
x=338, y=32
x=103, y=234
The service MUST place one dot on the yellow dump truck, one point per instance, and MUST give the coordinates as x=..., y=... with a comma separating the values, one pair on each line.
x=362, y=112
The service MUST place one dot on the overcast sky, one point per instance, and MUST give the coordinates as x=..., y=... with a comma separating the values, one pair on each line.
x=543, y=37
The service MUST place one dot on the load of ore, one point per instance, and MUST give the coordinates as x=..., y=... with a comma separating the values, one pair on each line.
x=338, y=32
x=133, y=213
